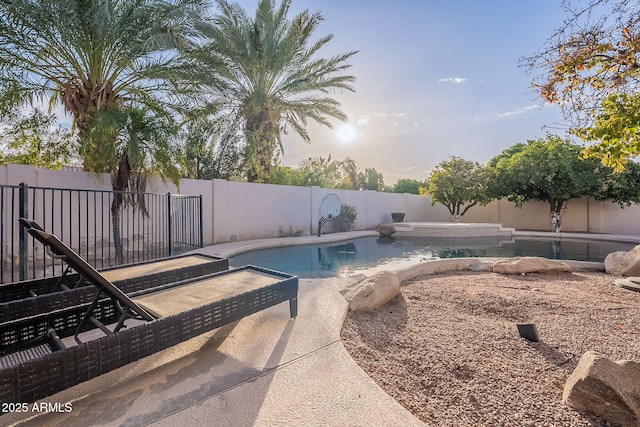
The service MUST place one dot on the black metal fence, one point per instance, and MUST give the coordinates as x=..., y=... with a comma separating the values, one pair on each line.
x=168, y=224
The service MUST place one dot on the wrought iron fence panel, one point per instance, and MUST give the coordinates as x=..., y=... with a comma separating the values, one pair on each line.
x=168, y=224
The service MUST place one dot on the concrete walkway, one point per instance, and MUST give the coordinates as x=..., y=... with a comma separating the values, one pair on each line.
x=265, y=370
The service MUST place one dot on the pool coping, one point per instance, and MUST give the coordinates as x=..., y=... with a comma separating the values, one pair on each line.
x=235, y=248
x=626, y=238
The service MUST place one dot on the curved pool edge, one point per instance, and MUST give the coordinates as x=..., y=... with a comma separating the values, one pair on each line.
x=579, y=236
x=415, y=264
x=407, y=270
x=235, y=248
x=230, y=249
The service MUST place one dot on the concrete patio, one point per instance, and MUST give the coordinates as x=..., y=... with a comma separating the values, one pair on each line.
x=264, y=370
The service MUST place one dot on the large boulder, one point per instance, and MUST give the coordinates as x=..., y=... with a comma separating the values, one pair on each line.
x=528, y=264
x=372, y=292
x=623, y=263
x=605, y=388
x=386, y=229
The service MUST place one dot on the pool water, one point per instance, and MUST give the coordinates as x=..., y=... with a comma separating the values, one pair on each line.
x=343, y=258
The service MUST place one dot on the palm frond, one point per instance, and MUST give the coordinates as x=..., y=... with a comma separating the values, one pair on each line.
x=265, y=69
x=104, y=51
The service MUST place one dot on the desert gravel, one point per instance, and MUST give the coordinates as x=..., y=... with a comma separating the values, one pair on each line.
x=447, y=348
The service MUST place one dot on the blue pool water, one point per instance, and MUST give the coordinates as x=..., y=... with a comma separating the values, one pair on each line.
x=338, y=259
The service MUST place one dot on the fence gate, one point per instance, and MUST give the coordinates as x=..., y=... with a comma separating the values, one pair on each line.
x=159, y=225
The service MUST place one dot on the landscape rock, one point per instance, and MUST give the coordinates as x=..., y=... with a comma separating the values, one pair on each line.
x=372, y=292
x=482, y=265
x=386, y=229
x=605, y=388
x=613, y=261
x=623, y=263
x=521, y=265
x=632, y=285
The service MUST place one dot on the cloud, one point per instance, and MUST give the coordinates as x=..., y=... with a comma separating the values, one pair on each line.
x=381, y=117
x=454, y=80
x=363, y=120
x=516, y=112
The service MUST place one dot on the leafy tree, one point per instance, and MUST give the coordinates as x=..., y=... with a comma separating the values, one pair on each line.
x=591, y=68
x=313, y=171
x=318, y=171
x=327, y=173
x=595, y=53
x=458, y=184
x=283, y=175
x=410, y=186
x=267, y=77
x=622, y=187
x=197, y=151
x=370, y=179
x=553, y=171
x=36, y=141
x=210, y=152
x=349, y=172
x=616, y=129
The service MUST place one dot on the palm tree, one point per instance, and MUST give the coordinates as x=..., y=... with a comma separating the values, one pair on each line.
x=267, y=77
x=95, y=55
x=140, y=143
x=103, y=60
x=350, y=174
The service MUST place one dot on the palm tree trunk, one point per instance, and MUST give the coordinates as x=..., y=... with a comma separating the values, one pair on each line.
x=262, y=135
x=117, y=236
x=119, y=184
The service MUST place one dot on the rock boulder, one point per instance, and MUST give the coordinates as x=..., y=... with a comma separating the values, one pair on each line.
x=623, y=263
x=520, y=265
x=372, y=292
x=385, y=229
x=605, y=388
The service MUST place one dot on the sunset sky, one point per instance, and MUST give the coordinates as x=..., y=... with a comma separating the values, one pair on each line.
x=435, y=79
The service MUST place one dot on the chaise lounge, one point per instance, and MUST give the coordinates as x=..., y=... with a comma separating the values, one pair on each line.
x=32, y=297
x=39, y=358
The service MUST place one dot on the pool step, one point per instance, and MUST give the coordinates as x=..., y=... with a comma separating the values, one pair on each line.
x=443, y=229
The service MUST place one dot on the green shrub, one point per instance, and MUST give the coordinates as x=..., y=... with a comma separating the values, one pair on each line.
x=347, y=217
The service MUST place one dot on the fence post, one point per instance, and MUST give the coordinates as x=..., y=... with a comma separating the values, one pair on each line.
x=169, y=225
x=201, y=233
x=23, y=244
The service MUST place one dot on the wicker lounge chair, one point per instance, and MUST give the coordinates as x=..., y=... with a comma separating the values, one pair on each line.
x=129, y=277
x=37, y=362
x=32, y=297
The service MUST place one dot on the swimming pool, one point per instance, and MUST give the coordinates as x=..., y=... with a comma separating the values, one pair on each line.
x=342, y=258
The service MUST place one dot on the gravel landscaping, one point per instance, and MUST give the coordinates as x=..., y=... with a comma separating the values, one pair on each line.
x=448, y=350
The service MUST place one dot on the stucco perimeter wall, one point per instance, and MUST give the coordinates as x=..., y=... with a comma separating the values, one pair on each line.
x=581, y=216
x=242, y=211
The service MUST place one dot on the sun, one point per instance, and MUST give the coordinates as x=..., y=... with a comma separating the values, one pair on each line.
x=346, y=133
